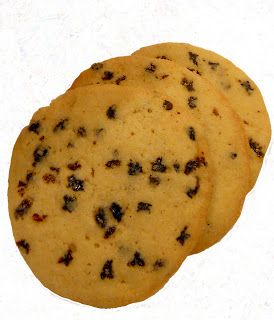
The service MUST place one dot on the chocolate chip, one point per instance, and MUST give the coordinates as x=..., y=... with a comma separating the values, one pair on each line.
x=70, y=145
x=75, y=184
x=195, y=71
x=188, y=84
x=96, y=66
x=35, y=127
x=134, y=168
x=191, y=133
x=109, y=232
x=158, y=264
x=192, y=102
x=213, y=65
x=113, y=163
x=23, y=208
x=151, y=68
x=61, y=125
x=167, y=105
x=158, y=166
x=69, y=203
x=215, y=112
x=21, y=184
x=107, y=271
x=23, y=244
x=176, y=166
x=247, y=86
x=183, y=236
x=38, y=218
x=39, y=154
x=29, y=176
x=116, y=211
x=67, y=258
x=111, y=112
x=192, y=165
x=162, y=57
x=49, y=178
x=233, y=155
x=137, y=260
x=143, y=206
x=100, y=218
x=74, y=166
x=108, y=75
x=193, y=57
x=191, y=192
x=81, y=132
x=120, y=79
x=154, y=180
x=256, y=148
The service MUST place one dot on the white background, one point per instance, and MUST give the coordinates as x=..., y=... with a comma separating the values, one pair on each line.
x=43, y=47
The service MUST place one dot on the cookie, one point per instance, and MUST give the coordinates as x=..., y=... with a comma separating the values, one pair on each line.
x=222, y=129
x=108, y=193
x=244, y=96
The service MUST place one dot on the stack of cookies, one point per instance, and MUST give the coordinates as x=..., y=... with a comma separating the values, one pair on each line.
x=145, y=160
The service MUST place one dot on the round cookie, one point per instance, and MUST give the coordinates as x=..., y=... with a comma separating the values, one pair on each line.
x=105, y=199
x=222, y=129
x=244, y=96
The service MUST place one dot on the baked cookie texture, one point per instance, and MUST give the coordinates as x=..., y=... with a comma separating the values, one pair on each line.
x=221, y=128
x=244, y=95
x=109, y=189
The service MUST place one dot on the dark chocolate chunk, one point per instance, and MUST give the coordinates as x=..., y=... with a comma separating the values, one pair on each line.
x=122, y=78
x=57, y=170
x=193, y=57
x=21, y=184
x=70, y=145
x=191, y=192
x=191, y=133
x=163, y=76
x=134, y=168
x=195, y=71
x=143, y=206
x=67, y=258
x=167, y=105
x=96, y=66
x=247, y=86
x=74, y=166
x=113, y=163
x=111, y=112
x=108, y=75
x=192, y=165
x=69, y=203
x=162, y=57
x=75, y=184
x=100, y=218
x=213, y=65
x=109, y=232
x=29, y=176
x=137, y=260
x=49, y=178
x=116, y=211
x=183, y=236
x=39, y=154
x=192, y=102
x=107, y=271
x=158, y=264
x=154, y=180
x=81, y=132
x=38, y=218
x=61, y=125
x=256, y=148
x=215, y=112
x=188, y=84
x=151, y=68
x=176, y=166
x=158, y=166
x=35, y=127
x=233, y=155
x=23, y=208
x=23, y=244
